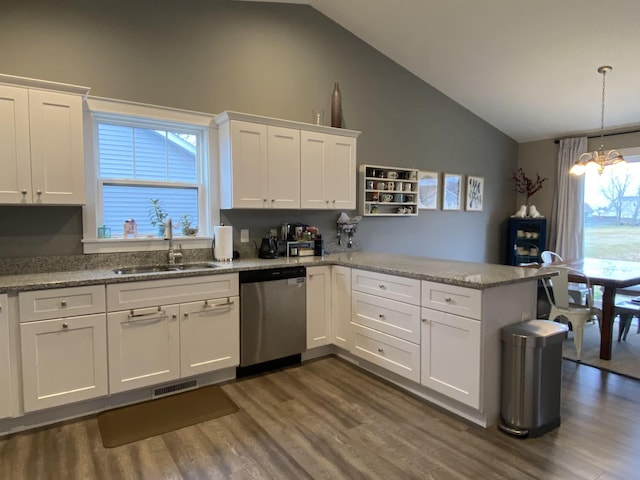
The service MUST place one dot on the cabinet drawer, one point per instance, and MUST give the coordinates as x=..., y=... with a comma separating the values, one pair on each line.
x=61, y=302
x=150, y=293
x=394, y=318
x=388, y=286
x=451, y=299
x=388, y=352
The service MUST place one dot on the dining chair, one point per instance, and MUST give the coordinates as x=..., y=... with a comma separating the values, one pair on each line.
x=577, y=291
x=557, y=291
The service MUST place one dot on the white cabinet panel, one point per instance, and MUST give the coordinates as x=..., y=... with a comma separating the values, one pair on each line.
x=399, y=319
x=144, y=347
x=388, y=286
x=15, y=148
x=341, y=307
x=451, y=362
x=63, y=360
x=209, y=335
x=6, y=396
x=284, y=167
x=318, y=306
x=452, y=299
x=61, y=302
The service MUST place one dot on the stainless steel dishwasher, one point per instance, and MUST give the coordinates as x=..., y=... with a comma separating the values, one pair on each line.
x=273, y=312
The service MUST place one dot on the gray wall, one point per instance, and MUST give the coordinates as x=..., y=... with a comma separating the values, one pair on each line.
x=275, y=60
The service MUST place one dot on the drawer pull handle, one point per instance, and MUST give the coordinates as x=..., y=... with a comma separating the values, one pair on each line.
x=132, y=314
x=186, y=314
x=447, y=299
x=63, y=303
x=228, y=303
x=23, y=191
x=380, y=350
x=65, y=325
x=381, y=315
x=381, y=286
x=39, y=192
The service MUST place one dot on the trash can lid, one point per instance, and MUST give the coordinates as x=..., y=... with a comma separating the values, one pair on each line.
x=535, y=333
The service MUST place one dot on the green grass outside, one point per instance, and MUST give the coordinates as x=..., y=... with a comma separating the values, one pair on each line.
x=612, y=242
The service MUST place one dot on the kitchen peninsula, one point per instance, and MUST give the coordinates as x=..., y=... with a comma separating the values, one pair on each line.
x=430, y=326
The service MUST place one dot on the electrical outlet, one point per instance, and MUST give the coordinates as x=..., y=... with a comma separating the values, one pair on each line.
x=244, y=235
x=274, y=232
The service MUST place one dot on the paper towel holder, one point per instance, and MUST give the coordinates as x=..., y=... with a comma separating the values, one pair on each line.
x=217, y=255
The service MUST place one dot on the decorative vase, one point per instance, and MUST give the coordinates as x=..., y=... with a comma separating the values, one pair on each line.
x=336, y=107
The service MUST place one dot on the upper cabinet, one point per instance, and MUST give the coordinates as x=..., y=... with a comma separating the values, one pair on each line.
x=41, y=142
x=271, y=163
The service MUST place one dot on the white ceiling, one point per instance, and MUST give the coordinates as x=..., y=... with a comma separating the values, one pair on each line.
x=528, y=67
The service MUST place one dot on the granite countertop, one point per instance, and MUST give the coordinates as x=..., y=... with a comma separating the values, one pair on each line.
x=464, y=274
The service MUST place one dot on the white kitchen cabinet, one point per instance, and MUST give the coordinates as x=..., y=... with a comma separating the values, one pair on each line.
x=260, y=166
x=318, y=306
x=328, y=171
x=41, y=146
x=163, y=330
x=144, y=347
x=5, y=359
x=387, y=331
x=451, y=346
x=341, y=332
x=209, y=335
x=63, y=345
x=273, y=163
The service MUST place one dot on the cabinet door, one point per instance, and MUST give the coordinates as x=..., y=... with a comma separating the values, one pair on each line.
x=57, y=152
x=64, y=360
x=341, y=307
x=328, y=171
x=144, y=347
x=342, y=172
x=451, y=356
x=209, y=335
x=249, y=147
x=283, y=167
x=15, y=151
x=5, y=360
x=318, y=306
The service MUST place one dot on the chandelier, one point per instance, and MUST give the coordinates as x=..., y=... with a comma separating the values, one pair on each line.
x=598, y=160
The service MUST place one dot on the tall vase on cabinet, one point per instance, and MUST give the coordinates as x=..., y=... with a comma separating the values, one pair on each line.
x=336, y=107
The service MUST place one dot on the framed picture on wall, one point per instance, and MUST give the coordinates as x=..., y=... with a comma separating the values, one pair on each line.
x=451, y=191
x=428, y=190
x=475, y=194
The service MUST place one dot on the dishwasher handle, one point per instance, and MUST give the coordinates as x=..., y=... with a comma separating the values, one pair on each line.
x=272, y=274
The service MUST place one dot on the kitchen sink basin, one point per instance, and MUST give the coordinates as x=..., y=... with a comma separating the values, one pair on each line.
x=178, y=267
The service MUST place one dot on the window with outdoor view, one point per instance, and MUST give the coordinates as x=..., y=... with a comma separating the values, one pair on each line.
x=148, y=172
x=612, y=212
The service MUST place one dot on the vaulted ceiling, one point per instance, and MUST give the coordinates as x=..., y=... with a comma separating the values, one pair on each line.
x=528, y=67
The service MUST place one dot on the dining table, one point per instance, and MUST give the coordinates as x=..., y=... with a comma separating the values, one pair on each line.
x=611, y=275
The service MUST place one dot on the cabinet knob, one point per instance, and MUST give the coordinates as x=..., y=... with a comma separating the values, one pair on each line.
x=23, y=192
x=381, y=316
x=424, y=320
x=39, y=192
x=273, y=200
x=333, y=201
x=381, y=286
x=447, y=299
x=380, y=349
x=264, y=199
x=63, y=303
x=65, y=325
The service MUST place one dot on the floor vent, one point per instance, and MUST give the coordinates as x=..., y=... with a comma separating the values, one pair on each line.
x=168, y=390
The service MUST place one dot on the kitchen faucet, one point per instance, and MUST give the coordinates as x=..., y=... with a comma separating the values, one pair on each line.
x=168, y=235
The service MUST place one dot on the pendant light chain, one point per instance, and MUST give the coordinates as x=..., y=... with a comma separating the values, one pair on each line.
x=604, y=75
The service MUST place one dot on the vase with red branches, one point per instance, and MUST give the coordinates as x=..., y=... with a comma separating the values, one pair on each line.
x=527, y=186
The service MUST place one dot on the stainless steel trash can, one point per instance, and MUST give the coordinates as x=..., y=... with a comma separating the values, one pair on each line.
x=531, y=377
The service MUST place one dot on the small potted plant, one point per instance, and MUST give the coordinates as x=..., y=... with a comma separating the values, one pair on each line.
x=157, y=215
x=187, y=229
x=528, y=187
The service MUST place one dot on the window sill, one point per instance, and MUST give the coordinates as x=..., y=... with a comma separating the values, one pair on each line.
x=142, y=244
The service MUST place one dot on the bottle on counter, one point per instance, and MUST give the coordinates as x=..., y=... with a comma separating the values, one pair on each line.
x=318, y=246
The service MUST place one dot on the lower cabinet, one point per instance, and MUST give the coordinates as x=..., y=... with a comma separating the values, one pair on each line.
x=451, y=355
x=64, y=360
x=341, y=333
x=149, y=345
x=318, y=306
x=5, y=359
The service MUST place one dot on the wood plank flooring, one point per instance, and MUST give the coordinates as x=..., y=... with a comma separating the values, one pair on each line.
x=330, y=420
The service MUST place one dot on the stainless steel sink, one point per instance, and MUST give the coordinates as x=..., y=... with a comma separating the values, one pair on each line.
x=178, y=267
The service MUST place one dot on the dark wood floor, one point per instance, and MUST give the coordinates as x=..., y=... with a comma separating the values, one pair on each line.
x=330, y=420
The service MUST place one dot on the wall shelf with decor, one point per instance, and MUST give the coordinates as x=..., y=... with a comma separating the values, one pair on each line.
x=388, y=191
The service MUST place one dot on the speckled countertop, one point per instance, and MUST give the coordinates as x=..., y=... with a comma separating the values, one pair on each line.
x=464, y=274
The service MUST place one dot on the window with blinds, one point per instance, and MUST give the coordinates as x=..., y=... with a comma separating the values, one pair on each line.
x=140, y=161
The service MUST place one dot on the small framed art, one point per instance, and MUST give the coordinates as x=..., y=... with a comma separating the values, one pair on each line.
x=451, y=191
x=428, y=190
x=475, y=194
